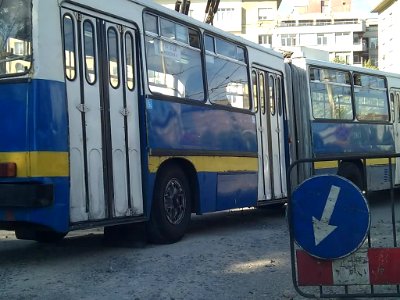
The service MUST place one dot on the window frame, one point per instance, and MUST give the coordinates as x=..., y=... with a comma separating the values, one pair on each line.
x=334, y=84
x=243, y=62
x=117, y=51
x=95, y=54
x=71, y=18
x=188, y=45
x=131, y=48
x=387, y=100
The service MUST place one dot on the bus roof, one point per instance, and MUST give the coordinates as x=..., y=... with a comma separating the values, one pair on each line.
x=178, y=16
x=344, y=67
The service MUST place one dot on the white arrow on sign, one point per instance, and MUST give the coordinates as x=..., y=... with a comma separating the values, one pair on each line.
x=321, y=227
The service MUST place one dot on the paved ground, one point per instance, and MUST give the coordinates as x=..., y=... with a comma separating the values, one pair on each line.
x=228, y=255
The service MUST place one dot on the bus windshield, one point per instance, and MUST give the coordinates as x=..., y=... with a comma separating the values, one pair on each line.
x=15, y=36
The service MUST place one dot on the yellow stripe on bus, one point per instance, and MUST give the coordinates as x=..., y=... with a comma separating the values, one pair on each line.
x=325, y=164
x=211, y=163
x=379, y=161
x=334, y=164
x=38, y=164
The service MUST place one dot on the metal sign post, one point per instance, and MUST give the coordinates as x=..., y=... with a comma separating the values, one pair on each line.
x=332, y=239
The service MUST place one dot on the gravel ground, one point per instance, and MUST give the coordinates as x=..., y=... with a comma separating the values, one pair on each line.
x=241, y=254
x=228, y=255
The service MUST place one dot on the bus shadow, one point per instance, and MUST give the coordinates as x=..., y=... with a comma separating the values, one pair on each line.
x=235, y=220
x=86, y=243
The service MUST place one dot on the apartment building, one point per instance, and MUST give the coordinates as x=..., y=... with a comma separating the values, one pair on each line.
x=251, y=19
x=343, y=35
x=329, y=25
x=326, y=25
x=389, y=38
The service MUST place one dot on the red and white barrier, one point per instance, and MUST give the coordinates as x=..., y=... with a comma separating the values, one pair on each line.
x=376, y=266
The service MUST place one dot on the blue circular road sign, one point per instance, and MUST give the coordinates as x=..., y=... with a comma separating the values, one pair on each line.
x=330, y=216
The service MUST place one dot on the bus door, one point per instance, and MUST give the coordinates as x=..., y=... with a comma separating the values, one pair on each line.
x=105, y=166
x=395, y=101
x=276, y=133
x=264, y=169
x=267, y=89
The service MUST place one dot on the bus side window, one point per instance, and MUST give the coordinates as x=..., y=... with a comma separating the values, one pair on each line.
x=174, y=66
x=370, y=94
x=227, y=76
x=129, y=60
x=398, y=106
x=279, y=95
x=392, y=107
x=331, y=94
x=69, y=48
x=113, y=57
x=90, y=51
x=271, y=94
x=255, y=90
x=262, y=92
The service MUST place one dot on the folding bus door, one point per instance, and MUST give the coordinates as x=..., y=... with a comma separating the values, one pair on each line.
x=264, y=159
x=105, y=166
x=276, y=135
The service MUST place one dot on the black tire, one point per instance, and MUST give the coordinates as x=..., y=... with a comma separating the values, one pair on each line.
x=41, y=236
x=49, y=236
x=171, y=207
x=352, y=172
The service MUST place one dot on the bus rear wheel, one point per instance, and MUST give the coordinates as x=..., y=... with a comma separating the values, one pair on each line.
x=351, y=172
x=171, y=207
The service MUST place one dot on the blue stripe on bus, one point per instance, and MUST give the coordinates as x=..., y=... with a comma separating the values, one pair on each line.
x=178, y=126
x=33, y=116
x=55, y=216
x=352, y=138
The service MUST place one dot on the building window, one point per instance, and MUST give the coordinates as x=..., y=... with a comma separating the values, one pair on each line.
x=357, y=38
x=265, y=39
x=345, y=21
x=306, y=22
x=357, y=59
x=323, y=22
x=373, y=43
x=325, y=6
x=288, y=23
x=342, y=37
x=343, y=57
x=322, y=39
x=224, y=14
x=288, y=39
x=265, y=14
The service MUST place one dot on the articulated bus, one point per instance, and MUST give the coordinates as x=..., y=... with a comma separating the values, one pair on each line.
x=345, y=111
x=117, y=112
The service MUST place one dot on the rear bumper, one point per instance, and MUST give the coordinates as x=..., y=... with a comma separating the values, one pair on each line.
x=26, y=195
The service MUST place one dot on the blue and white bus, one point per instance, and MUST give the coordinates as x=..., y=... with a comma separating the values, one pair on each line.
x=344, y=111
x=125, y=111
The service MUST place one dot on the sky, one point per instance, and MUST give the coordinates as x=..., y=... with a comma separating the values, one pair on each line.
x=359, y=6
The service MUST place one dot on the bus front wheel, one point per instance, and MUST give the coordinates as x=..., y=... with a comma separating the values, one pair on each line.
x=41, y=236
x=171, y=207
